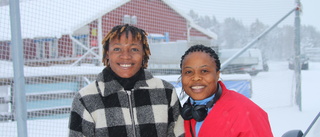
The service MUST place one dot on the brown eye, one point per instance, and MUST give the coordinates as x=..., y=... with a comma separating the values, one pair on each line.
x=135, y=49
x=116, y=49
x=204, y=71
x=187, y=72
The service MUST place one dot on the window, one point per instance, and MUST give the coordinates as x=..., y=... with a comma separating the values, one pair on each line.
x=134, y=20
x=78, y=50
x=46, y=48
x=127, y=19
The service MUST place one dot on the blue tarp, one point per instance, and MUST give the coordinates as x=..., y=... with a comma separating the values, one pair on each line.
x=241, y=86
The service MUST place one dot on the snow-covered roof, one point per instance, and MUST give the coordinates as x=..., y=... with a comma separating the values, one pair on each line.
x=7, y=70
x=40, y=18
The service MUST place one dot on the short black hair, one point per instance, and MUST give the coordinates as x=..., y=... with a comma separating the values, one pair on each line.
x=202, y=48
x=137, y=34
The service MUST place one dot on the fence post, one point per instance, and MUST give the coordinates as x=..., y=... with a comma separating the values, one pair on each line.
x=18, y=62
x=297, y=68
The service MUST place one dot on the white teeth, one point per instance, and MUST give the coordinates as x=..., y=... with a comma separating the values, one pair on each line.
x=125, y=65
x=197, y=87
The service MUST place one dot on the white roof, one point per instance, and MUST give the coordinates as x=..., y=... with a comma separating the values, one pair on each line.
x=7, y=70
x=42, y=19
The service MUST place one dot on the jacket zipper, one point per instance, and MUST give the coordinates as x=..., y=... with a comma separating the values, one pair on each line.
x=131, y=112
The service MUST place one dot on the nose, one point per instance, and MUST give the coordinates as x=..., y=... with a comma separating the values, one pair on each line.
x=125, y=55
x=196, y=78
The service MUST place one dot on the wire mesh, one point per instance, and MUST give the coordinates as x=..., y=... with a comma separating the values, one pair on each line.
x=62, y=51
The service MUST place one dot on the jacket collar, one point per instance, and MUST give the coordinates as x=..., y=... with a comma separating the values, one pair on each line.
x=111, y=85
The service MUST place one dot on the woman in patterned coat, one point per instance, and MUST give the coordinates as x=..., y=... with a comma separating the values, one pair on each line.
x=125, y=100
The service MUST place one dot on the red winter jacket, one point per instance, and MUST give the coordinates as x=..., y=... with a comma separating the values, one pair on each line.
x=233, y=115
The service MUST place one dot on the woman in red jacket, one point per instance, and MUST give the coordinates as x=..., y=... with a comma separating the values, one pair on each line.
x=212, y=109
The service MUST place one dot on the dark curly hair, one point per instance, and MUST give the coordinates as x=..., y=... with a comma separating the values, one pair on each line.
x=202, y=48
x=137, y=34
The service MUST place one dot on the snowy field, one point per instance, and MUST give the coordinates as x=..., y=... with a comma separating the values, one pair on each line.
x=272, y=90
x=284, y=117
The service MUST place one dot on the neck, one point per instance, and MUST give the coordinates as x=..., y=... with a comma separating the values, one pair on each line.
x=128, y=83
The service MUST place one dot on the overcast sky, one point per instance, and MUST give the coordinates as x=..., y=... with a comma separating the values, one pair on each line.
x=267, y=11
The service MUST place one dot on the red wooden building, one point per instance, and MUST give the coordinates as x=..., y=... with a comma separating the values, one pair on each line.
x=160, y=18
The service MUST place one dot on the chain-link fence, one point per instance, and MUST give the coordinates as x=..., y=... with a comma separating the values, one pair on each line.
x=62, y=53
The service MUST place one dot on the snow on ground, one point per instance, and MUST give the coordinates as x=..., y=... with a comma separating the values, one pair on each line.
x=272, y=90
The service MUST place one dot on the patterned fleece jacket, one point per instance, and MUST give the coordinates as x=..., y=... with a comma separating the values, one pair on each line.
x=104, y=108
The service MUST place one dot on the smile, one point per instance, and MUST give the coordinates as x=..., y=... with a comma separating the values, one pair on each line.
x=126, y=65
x=197, y=87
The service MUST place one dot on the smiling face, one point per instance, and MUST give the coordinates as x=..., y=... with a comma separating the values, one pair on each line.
x=199, y=75
x=125, y=55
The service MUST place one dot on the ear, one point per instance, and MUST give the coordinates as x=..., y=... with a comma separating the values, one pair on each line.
x=107, y=54
x=106, y=58
x=218, y=76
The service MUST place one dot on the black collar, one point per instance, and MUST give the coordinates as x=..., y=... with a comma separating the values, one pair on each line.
x=126, y=83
